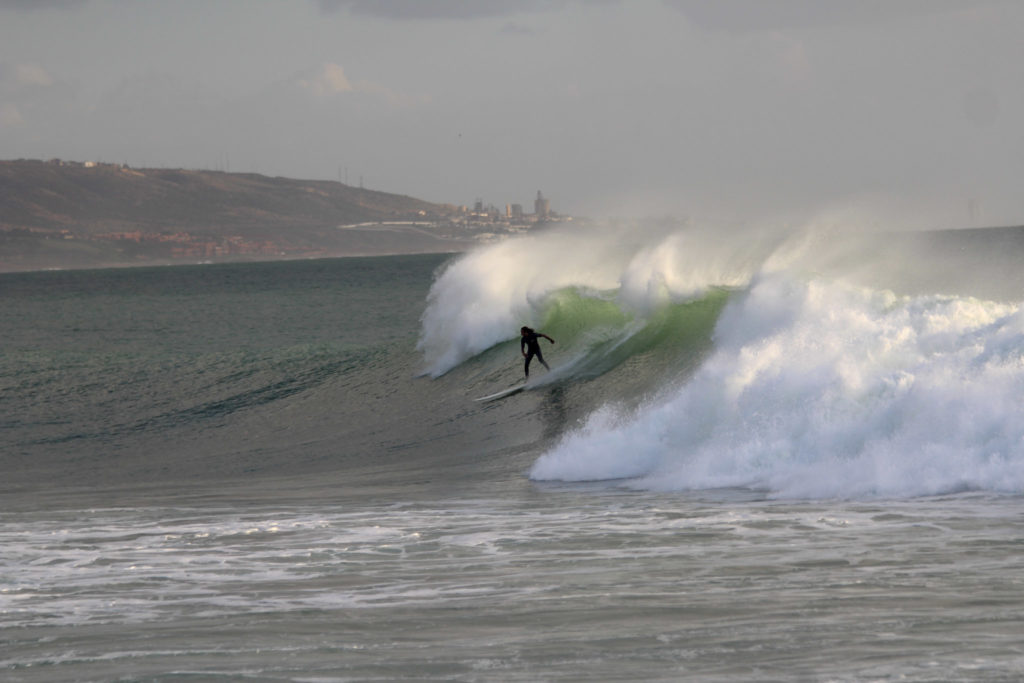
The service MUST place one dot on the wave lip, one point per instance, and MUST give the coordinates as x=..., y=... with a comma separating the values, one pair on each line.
x=820, y=389
x=484, y=297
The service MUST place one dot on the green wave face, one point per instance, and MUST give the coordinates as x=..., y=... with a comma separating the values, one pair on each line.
x=599, y=335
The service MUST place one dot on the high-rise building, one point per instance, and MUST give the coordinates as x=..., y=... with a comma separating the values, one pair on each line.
x=542, y=206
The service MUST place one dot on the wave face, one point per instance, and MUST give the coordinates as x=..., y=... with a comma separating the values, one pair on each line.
x=483, y=297
x=828, y=373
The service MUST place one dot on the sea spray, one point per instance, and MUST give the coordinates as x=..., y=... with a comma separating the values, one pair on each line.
x=485, y=296
x=822, y=389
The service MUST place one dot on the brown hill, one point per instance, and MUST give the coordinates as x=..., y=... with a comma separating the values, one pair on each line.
x=66, y=214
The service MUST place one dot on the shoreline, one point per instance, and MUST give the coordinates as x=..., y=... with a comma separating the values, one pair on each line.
x=220, y=262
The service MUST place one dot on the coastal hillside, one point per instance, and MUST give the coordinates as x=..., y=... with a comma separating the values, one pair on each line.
x=68, y=214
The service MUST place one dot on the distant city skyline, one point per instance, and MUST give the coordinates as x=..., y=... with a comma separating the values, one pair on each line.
x=860, y=113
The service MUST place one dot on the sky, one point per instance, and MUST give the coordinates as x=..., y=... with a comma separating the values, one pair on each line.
x=878, y=111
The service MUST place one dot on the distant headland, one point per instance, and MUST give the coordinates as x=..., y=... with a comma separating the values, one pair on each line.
x=65, y=214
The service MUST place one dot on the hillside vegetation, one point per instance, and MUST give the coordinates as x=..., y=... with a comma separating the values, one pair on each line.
x=61, y=214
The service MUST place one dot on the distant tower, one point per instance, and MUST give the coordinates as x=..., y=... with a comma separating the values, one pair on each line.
x=478, y=206
x=542, y=206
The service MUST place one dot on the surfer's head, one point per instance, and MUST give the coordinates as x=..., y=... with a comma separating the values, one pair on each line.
x=525, y=330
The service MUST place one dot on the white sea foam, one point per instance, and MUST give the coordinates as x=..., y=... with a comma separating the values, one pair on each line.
x=823, y=389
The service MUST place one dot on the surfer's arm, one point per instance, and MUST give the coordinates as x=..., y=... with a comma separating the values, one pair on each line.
x=546, y=337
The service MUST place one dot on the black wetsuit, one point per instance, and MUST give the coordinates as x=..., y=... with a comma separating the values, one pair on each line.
x=530, y=342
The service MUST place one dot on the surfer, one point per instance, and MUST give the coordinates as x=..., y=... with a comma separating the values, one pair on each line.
x=529, y=345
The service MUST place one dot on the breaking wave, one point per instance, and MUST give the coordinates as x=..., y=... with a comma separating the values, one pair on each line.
x=820, y=378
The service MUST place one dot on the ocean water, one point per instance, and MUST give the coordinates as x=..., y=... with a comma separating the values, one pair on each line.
x=786, y=457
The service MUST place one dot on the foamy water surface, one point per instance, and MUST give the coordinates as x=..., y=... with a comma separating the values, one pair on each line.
x=573, y=583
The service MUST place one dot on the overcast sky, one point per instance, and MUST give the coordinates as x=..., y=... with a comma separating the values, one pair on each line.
x=734, y=109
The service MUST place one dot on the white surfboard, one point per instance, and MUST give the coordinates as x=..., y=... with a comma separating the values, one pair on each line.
x=503, y=393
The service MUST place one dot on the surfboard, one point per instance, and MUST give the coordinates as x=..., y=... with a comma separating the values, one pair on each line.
x=503, y=393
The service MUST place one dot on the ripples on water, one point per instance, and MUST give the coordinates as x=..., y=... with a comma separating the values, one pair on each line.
x=583, y=584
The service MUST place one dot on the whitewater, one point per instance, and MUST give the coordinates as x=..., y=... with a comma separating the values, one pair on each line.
x=760, y=454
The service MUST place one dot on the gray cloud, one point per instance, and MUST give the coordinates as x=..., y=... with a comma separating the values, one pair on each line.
x=768, y=15
x=447, y=9
x=32, y=5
